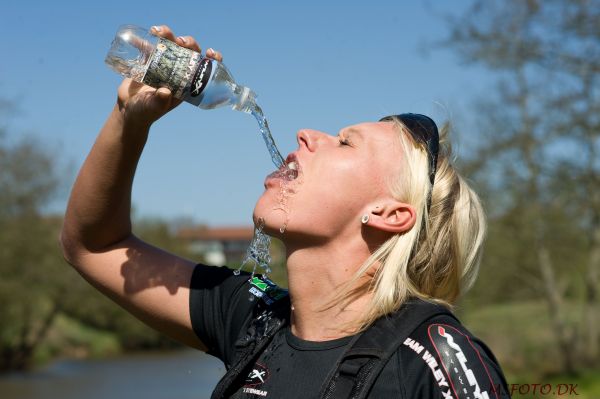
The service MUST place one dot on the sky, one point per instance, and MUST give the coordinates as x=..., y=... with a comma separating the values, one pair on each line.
x=313, y=64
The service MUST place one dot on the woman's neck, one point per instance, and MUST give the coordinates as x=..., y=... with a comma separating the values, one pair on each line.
x=315, y=275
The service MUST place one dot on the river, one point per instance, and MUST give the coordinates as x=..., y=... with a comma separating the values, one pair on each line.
x=166, y=375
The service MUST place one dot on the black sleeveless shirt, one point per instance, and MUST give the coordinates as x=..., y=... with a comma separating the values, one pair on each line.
x=440, y=359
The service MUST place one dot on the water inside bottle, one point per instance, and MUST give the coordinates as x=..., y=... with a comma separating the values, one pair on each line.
x=127, y=68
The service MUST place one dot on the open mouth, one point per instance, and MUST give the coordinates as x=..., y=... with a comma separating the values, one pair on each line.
x=289, y=170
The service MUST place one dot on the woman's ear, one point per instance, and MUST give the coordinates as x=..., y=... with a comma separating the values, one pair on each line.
x=392, y=217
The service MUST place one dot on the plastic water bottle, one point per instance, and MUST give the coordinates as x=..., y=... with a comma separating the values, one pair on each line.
x=136, y=53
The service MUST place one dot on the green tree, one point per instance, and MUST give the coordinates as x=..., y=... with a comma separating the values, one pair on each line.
x=31, y=289
x=538, y=158
x=89, y=306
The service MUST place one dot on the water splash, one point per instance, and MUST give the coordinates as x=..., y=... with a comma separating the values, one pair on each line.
x=258, y=252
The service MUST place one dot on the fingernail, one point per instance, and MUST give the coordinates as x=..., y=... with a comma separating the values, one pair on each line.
x=156, y=28
x=182, y=39
x=164, y=91
x=210, y=51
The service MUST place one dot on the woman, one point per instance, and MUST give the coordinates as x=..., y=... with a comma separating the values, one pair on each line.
x=376, y=218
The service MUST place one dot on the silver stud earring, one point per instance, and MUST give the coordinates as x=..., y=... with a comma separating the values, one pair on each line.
x=364, y=219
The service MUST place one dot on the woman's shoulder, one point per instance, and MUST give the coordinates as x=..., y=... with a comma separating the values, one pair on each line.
x=454, y=362
x=223, y=302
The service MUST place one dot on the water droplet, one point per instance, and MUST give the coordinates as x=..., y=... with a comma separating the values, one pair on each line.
x=282, y=229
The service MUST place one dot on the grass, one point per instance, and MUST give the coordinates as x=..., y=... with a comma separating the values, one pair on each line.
x=522, y=338
x=70, y=338
x=585, y=385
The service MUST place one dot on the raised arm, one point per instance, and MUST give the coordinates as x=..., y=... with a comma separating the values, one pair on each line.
x=97, y=238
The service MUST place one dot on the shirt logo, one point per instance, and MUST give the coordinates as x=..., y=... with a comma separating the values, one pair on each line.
x=266, y=289
x=261, y=284
x=462, y=362
x=256, y=377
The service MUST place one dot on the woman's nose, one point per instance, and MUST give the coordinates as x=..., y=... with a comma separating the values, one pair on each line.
x=310, y=138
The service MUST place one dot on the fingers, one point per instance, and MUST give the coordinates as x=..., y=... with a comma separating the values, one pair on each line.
x=185, y=41
x=163, y=31
x=163, y=93
x=188, y=42
x=166, y=98
x=216, y=55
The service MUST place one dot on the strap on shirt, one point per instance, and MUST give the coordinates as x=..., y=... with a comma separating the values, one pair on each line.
x=356, y=371
x=268, y=319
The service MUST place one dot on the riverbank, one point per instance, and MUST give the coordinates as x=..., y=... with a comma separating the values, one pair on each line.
x=178, y=374
x=192, y=374
x=73, y=339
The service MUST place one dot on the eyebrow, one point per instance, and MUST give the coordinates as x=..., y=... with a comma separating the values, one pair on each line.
x=352, y=131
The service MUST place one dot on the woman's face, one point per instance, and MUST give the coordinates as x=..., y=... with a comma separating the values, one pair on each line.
x=340, y=178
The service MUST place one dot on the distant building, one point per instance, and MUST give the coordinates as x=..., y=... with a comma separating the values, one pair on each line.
x=218, y=245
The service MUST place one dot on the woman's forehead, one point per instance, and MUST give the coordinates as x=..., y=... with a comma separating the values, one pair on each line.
x=372, y=130
x=380, y=142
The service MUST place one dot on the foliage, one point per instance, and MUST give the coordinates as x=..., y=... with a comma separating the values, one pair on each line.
x=37, y=286
x=522, y=340
x=101, y=313
x=29, y=259
x=537, y=164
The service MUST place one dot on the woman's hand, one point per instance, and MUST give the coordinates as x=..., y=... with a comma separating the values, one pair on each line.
x=142, y=105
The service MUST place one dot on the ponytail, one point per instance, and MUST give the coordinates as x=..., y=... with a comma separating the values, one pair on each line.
x=438, y=259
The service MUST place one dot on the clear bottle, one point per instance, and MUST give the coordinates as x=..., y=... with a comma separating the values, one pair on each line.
x=136, y=53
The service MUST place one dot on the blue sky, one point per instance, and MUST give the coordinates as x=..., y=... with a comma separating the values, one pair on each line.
x=322, y=65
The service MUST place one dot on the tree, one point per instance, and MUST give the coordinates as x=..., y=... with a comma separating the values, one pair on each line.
x=92, y=308
x=31, y=286
x=539, y=158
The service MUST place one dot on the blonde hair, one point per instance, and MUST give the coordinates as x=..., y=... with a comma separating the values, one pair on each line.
x=436, y=260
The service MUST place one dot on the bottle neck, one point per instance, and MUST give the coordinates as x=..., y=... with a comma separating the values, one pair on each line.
x=245, y=99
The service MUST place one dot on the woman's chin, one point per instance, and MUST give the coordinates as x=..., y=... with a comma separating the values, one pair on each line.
x=272, y=221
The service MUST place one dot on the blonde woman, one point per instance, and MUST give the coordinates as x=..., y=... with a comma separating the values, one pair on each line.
x=379, y=227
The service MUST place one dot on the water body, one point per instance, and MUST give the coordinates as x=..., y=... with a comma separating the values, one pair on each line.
x=185, y=374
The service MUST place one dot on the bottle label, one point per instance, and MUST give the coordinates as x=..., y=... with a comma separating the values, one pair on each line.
x=180, y=69
x=201, y=77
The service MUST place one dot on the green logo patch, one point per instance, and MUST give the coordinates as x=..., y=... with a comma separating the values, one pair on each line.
x=260, y=284
x=266, y=289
